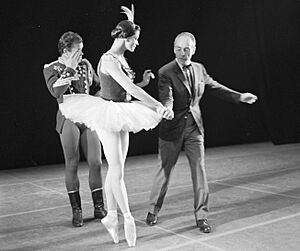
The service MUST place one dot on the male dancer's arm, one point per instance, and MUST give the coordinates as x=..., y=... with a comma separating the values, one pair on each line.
x=220, y=90
x=57, y=82
x=165, y=91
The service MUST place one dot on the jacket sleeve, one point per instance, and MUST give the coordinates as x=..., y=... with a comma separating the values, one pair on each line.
x=220, y=90
x=53, y=78
x=165, y=91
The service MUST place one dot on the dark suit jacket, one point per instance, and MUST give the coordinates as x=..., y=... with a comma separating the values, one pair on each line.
x=174, y=92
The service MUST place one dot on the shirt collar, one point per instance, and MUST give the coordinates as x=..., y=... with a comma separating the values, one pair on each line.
x=180, y=65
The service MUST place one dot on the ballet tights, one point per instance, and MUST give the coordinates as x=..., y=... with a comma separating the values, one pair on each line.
x=115, y=146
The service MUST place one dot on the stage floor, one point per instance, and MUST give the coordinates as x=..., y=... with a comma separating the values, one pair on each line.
x=254, y=204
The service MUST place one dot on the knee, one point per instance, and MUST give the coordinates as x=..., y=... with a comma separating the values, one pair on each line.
x=94, y=163
x=200, y=162
x=72, y=164
x=117, y=174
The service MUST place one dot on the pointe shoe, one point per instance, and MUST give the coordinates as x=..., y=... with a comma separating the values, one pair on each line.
x=130, y=231
x=111, y=224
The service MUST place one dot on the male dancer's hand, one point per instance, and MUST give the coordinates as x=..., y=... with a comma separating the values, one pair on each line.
x=248, y=98
x=168, y=114
x=73, y=59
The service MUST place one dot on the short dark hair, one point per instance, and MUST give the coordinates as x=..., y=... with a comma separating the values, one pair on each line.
x=67, y=40
x=125, y=29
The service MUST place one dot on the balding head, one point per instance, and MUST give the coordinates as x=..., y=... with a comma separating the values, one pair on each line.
x=185, y=35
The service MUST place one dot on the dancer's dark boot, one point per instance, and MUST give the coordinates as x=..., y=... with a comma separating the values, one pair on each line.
x=75, y=201
x=99, y=210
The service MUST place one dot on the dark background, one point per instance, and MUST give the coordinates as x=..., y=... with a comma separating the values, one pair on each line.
x=248, y=45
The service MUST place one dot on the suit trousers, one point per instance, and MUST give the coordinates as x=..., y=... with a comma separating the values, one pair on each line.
x=193, y=144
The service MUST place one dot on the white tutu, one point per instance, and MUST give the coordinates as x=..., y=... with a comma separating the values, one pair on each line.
x=97, y=113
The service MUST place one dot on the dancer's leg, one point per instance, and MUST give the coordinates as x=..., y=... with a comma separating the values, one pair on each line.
x=129, y=224
x=115, y=147
x=124, y=136
x=70, y=144
x=112, y=146
x=92, y=150
x=111, y=220
x=91, y=147
x=124, y=144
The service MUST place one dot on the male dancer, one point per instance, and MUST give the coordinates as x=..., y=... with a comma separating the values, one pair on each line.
x=71, y=74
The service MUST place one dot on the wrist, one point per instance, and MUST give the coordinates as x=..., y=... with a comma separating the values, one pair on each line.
x=142, y=83
x=70, y=67
x=70, y=70
x=160, y=106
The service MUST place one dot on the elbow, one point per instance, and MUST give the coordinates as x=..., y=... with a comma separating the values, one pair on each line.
x=55, y=93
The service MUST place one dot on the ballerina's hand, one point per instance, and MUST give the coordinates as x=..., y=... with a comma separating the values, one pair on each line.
x=147, y=77
x=167, y=113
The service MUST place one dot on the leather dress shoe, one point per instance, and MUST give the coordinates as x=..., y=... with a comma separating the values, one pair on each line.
x=151, y=219
x=203, y=226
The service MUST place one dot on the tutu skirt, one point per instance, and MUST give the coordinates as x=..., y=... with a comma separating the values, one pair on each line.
x=97, y=113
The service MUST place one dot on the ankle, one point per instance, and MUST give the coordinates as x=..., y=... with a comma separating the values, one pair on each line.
x=112, y=213
x=127, y=216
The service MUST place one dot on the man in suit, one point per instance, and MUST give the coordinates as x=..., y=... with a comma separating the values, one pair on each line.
x=181, y=85
x=71, y=74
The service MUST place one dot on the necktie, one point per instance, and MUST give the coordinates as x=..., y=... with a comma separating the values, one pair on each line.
x=189, y=75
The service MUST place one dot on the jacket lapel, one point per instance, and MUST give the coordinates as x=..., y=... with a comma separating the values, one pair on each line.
x=197, y=77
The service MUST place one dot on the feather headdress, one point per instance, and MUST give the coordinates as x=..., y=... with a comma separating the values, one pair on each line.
x=129, y=13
